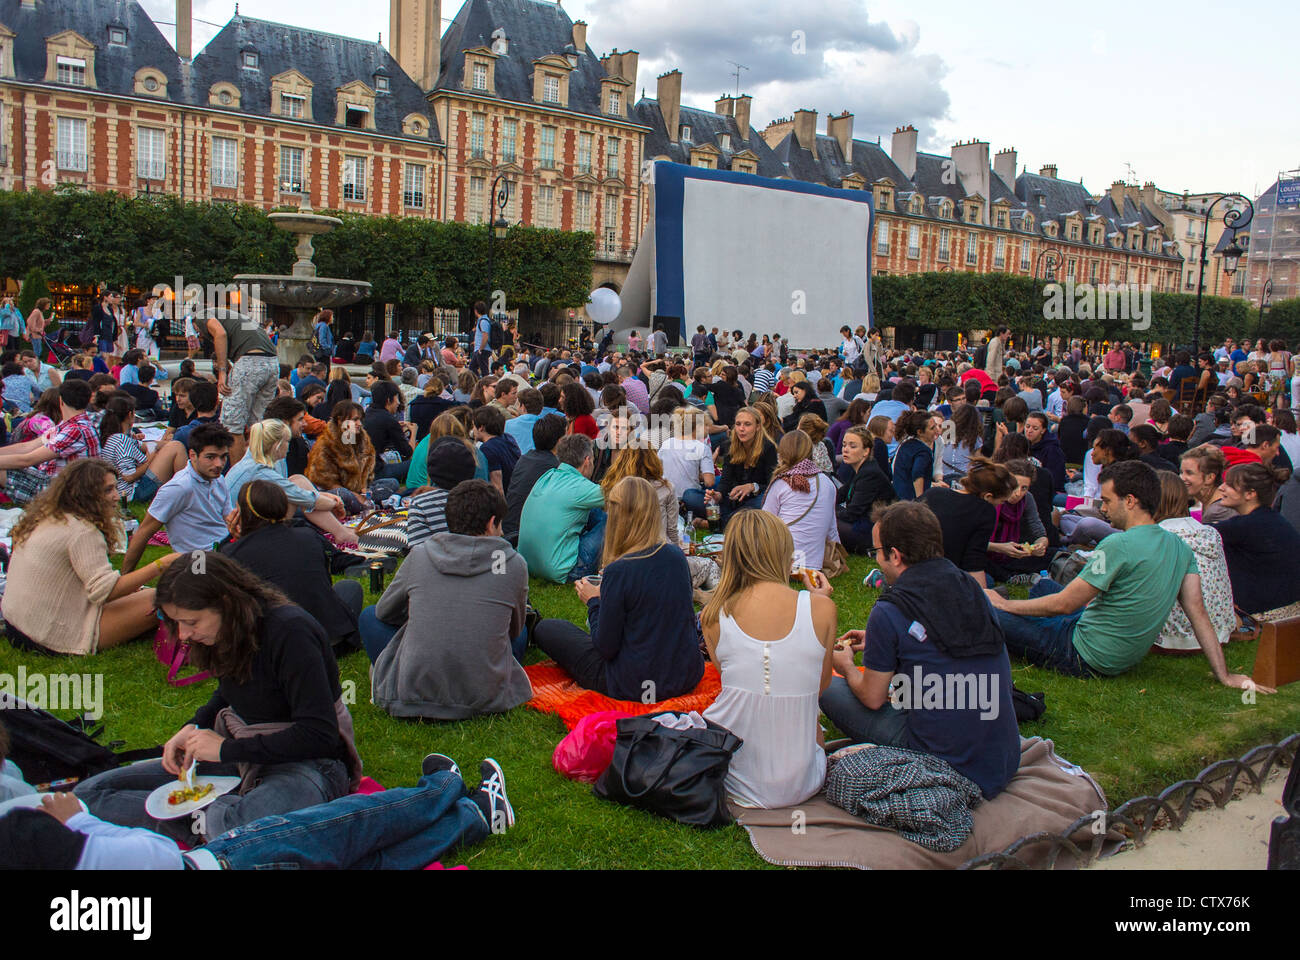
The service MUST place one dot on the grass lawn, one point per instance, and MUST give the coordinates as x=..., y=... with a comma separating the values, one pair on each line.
x=1135, y=734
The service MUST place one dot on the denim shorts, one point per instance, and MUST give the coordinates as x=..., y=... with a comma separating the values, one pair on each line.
x=145, y=488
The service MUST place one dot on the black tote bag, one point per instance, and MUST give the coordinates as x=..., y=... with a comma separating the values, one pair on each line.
x=676, y=774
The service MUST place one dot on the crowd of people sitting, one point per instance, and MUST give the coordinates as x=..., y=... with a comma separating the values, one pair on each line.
x=1170, y=521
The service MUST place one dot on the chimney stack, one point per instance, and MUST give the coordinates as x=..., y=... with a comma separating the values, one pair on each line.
x=669, y=95
x=972, y=162
x=1004, y=165
x=725, y=106
x=413, y=39
x=840, y=128
x=742, y=105
x=1048, y=170
x=185, y=29
x=1117, y=195
x=580, y=35
x=805, y=129
x=902, y=150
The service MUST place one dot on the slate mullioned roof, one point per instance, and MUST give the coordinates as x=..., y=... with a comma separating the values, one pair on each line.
x=115, y=65
x=706, y=127
x=329, y=61
x=533, y=30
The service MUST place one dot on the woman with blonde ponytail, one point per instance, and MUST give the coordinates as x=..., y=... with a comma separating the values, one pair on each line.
x=773, y=647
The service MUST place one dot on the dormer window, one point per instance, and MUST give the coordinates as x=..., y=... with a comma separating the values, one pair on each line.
x=117, y=36
x=887, y=199
x=1074, y=231
x=292, y=106
x=1002, y=219
x=916, y=206
x=724, y=141
x=382, y=83
x=249, y=60
x=615, y=102
x=356, y=116
x=480, y=76
x=686, y=133
x=550, y=89
x=70, y=70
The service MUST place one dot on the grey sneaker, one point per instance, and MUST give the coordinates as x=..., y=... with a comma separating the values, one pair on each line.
x=491, y=797
x=437, y=762
x=1022, y=579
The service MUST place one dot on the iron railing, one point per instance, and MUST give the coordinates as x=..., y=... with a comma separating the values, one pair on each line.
x=1136, y=818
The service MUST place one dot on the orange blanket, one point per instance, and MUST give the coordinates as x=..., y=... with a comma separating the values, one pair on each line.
x=555, y=692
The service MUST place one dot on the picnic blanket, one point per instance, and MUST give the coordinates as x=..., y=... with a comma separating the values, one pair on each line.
x=1047, y=794
x=554, y=691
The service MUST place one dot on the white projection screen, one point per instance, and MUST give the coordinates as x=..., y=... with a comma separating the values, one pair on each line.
x=760, y=255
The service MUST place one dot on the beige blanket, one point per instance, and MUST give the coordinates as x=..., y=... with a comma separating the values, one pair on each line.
x=1044, y=796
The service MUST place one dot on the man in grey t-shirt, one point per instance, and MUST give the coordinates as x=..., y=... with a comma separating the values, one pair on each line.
x=247, y=371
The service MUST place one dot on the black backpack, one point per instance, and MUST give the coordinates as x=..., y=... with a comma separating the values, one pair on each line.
x=48, y=750
x=497, y=336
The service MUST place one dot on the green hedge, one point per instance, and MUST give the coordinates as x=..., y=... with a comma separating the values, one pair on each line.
x=85, y=238
x=983, y=301
x=1282, y=320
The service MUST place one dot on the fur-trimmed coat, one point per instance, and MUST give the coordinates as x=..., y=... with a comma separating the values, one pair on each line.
x=333, y=463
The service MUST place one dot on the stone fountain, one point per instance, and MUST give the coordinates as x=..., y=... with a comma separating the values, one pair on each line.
x=302, y=292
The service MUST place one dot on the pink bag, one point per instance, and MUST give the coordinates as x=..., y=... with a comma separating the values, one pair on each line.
x=588, y=749
x=173, y=654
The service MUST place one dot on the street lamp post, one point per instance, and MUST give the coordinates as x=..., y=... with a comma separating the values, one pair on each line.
x=1263, y=300
x=1234, y=221
x=1053, y=261
x=497, y=225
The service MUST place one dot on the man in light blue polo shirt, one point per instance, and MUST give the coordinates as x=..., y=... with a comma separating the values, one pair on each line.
x=900, y=402
x=562, y=527
x=521, y=427
x=192, y=505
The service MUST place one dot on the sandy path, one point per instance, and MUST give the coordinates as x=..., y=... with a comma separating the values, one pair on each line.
x=1234, y=838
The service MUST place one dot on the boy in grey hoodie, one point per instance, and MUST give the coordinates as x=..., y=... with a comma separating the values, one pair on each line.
x=460, y=599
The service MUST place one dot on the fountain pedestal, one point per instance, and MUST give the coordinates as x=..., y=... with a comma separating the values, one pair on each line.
x=302, y=291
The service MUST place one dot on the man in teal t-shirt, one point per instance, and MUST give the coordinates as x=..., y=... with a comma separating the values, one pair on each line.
x=1106, y=619
x=562, y=527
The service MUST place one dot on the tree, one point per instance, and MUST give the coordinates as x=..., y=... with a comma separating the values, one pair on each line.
x=35, y=286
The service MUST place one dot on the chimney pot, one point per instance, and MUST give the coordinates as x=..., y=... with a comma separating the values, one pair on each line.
x=185, y=29
x=669, y=95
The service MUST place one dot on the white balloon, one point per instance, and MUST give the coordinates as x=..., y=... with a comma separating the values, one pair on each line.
x=604, y=306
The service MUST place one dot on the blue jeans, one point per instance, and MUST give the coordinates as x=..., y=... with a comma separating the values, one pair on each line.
x=405, y=828
x=730, y=506
x=376, y=635
x=1045, y=641
x=590, y=543
x=886, y=726
x=118, y=795
x=694, y=500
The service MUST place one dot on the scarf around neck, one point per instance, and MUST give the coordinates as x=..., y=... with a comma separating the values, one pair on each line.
x=797, y=476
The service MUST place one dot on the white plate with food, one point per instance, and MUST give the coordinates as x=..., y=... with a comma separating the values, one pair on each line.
x=176, y=798
x=32, y=800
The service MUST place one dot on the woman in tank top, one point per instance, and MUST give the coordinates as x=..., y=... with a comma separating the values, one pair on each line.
x=772, y=646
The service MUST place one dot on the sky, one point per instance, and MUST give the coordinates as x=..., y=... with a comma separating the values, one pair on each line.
x=1160, y=91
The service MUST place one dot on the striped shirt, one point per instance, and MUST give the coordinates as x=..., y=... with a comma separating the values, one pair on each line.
x=763, y=380
x=427, y=516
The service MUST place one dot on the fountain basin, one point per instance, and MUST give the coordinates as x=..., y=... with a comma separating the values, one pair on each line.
x=305, y=293
x=304, y=222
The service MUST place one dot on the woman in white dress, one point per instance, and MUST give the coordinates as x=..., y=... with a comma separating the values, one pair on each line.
x=1176, y=635
x=772, y=646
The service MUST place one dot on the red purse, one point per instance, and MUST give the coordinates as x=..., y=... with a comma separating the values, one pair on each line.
x=174, y=654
